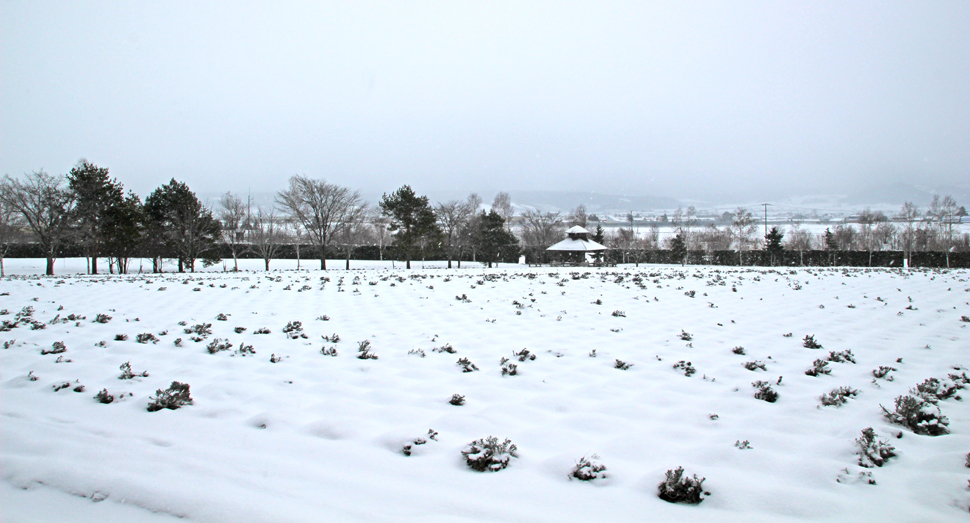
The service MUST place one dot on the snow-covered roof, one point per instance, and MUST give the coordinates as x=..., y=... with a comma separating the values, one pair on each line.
x=575, y=229
x=577, y=245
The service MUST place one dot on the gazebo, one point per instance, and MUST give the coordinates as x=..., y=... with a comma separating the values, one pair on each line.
x=577, y=240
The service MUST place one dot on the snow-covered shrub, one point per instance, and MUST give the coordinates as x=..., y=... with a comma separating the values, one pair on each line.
x=765, y=392
x=457, y=400
x=175, y=396
x=445, y=348
x=294, y=330
x=406, y=450
x=965, y=319
x=56, y=348
x=218, y=345
x=838, y=397
x=873, y=452
x=323, y=317
x=810, y=343
x=146, y=337
x=178, y=342
x=275, y=359
x=466, y=365
x=200, y=329
x=246, y=350
x=685, y=336
x=240, y=330
x=127, y=374
x=102, y=318
x=121, y=337
x=934, y=389
x=919, y=415
x=104, y=397
x=508, y=369
x=619, y=314
x=679, y=488
x=333, y=338
x=743, y=445
x=818, y=367
x=883, y=372
x=222, y=317
x=739, y=350
x=262, y=330
x=331, y=351
x=686, y=367
x=488, y=455
x=755, y=365
x=842, y=356
x=363, y=350
x=524, y=355
x=588, y=469
x=622, y=365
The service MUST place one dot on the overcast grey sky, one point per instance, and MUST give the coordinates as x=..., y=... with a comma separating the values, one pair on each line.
x=678, y=99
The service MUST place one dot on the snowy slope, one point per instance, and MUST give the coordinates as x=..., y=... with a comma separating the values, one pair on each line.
x=319, y=438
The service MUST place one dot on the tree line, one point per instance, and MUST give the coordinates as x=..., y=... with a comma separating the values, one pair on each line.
x=89, y=212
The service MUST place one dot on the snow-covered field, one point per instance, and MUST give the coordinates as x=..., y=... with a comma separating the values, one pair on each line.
x=314, y=437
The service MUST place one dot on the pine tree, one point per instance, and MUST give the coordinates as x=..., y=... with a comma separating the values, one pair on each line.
x=492, y=239
x=678, y=249
x=96, y=194
x=413, y=219
x=773, y=244
x=185, y=226
x=599, y=237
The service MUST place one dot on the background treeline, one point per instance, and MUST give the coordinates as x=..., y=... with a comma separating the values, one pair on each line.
x=86, y=213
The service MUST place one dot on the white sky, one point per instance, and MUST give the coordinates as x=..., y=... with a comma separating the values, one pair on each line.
x=678, y=99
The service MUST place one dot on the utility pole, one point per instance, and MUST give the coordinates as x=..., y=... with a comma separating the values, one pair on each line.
x=766, y=221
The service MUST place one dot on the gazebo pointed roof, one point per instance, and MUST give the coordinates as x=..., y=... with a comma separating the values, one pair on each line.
x=576, y=229
x=570, y=244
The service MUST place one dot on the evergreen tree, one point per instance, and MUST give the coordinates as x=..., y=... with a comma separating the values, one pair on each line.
x=187, y=227
x=678, y=249
x=95, y=195
x=599, y=237
x=492, y=239
x=773, y=244
x=124, y=231
x=412, y=218
x=830, y=243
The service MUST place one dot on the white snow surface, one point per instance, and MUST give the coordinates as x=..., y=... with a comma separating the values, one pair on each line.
x=320, y=438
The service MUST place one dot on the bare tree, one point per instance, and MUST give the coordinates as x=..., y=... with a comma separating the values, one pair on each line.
x=382, y=230
x=713, y=238
x=45, y=207
x=910, y=214
x=943, y=210
x=319, y=207
x=502, y=204
x=473, y=202
x=742, y=227
x=868, y=237
x=233, y=215
x=453, y=217
x=266, y=235
x=578, y=216
x=352, y=231
x=540, y=230
x=9, y=231
x=800, y=240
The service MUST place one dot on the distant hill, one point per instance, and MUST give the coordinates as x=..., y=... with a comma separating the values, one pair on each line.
x=565, y=201
x=898, y=193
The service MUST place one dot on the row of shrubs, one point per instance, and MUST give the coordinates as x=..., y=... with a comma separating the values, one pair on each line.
x=510, y=254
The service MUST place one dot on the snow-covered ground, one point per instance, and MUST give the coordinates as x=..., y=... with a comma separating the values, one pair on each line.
x=319, y=438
